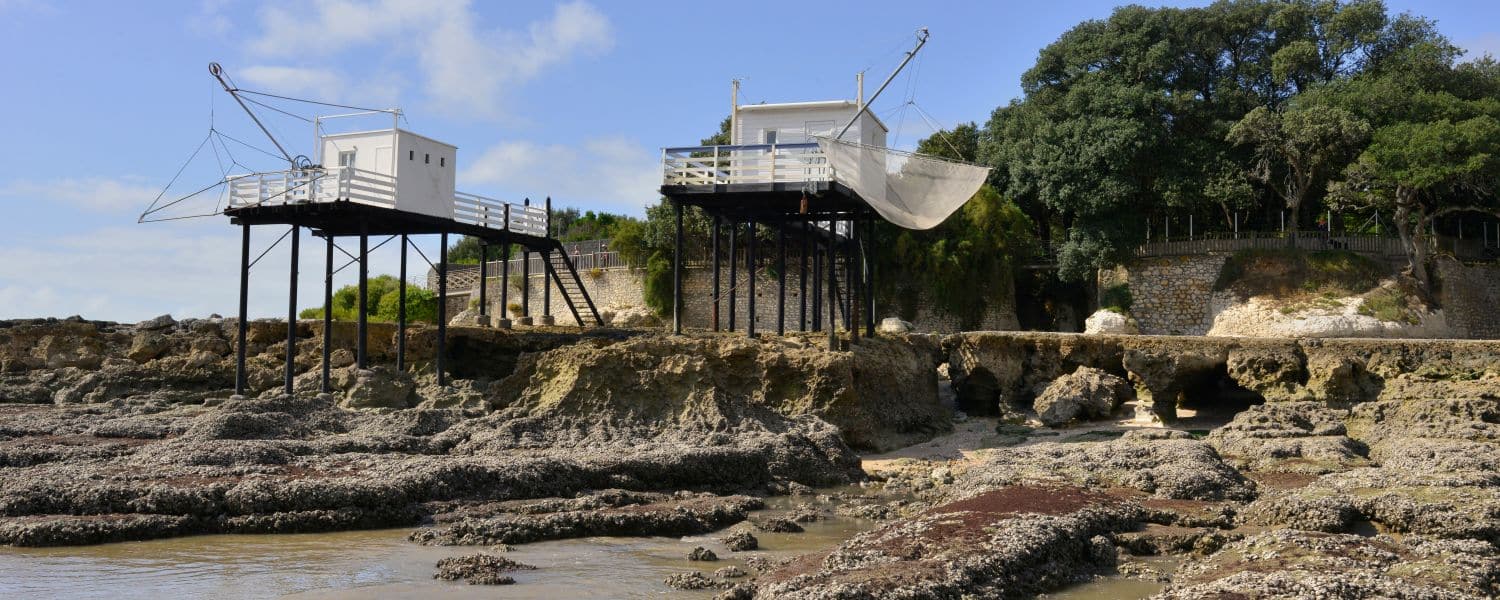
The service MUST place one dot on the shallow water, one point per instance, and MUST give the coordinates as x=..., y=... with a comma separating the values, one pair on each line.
x=363, y=564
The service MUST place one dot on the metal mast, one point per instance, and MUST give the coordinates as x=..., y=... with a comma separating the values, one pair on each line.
x=865, y=107
x=218, y=73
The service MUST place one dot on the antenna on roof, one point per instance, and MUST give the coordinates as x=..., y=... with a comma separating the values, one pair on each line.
x=921, y=41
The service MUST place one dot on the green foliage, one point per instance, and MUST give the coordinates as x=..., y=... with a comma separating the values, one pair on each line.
x=1129, y=117
x=1297, y=149
x=629, y=241
x=383, y=301
x=966, y=263
x=1117, y=298
x=1332, y=273
x=1388, y=304
x=959, y=143
x=657, y=284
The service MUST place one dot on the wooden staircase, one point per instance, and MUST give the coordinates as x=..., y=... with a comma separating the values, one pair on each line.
x=560, y=268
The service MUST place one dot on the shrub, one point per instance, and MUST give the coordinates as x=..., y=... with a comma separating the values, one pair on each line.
x=1388, y=304
x=657, y=284
x=383, y=299
x=1116, y=298
x=596, y=273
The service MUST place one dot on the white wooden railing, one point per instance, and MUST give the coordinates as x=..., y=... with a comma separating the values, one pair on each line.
x=298, y=186
x=495, y=214
x=331, y=184
x=756, y=163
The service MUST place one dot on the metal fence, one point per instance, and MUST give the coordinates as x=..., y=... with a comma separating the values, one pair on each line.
x=1380, y=246
x=1222, y=242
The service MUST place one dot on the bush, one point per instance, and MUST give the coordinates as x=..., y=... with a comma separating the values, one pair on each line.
x=381, y=303
x=1388, y=304
x=1116, y=299
x=657, y=284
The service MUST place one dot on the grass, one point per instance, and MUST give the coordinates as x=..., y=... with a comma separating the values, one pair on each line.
x=1116, y=299
x=1300, y=276
x=1389, y=304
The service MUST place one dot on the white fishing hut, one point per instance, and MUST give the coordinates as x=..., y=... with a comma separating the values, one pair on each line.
x=420, y=168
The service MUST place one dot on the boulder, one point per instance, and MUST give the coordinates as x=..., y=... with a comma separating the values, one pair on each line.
x=635, y=316
x=379, y=388
x=893, y=325
x=1108, y=321
x=1086, y=393
x=153, y=324
x=147, y=345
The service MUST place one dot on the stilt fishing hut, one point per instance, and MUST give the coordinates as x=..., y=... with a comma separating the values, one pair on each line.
x=820, y=175
x=386, y=182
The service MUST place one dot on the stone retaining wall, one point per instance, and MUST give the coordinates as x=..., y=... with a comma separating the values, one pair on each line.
x=1470, y=296
x=622, y=287
x=1170, y=295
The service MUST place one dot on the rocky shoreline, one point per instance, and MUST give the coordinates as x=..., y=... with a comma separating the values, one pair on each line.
x=1268, y=468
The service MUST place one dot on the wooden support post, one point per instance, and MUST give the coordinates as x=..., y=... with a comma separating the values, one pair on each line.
x=505, y=285
x=734, y=272
x=526, y=281
x=327, y=386
x=244, y=325
x=781, y=279
x=677, y=269
x=291, y=313
x=817, y=287
x=869, y=264
x=401, y=312
x=546, y=266
x=854, y=270
x=442, y=324
x=750, y=245
x=715, y=262
x=361, y=345
x=484, y=276
x=802, y=280
x=833, y=284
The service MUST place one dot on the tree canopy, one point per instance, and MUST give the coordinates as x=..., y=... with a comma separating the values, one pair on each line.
x=1160, y=112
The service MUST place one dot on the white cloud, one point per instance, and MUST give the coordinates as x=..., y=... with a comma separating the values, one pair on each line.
x=317, y=83
x=188, y=268
x=465, y=68
x=610, y=173
x=210, y=19
x=95, y=193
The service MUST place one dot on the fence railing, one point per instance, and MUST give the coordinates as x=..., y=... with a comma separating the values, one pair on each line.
x=753, y=163
x=332, y=184
x=1205, y=243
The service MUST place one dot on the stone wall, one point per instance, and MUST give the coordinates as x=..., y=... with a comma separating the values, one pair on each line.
x=1170, y=295
x=1470, y=296
x=622, y=287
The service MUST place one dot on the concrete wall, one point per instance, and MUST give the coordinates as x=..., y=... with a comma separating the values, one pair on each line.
x=1470, y=296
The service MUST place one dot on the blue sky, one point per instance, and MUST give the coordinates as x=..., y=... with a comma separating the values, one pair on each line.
x=104, y=100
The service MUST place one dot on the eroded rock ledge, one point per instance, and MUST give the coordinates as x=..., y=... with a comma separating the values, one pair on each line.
x=993, y=370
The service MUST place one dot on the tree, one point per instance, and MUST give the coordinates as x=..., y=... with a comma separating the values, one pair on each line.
x=959, y=143
x=1422, y=171
x=967, y=263
x=1128, y=118
x=1298, y=149
x=1435, y=147
x=382, y=302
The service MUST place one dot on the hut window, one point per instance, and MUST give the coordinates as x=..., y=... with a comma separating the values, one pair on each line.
x=346, y=158
x=442, y=161
x=411, y=155
x=426, y=159
x=770, y=136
